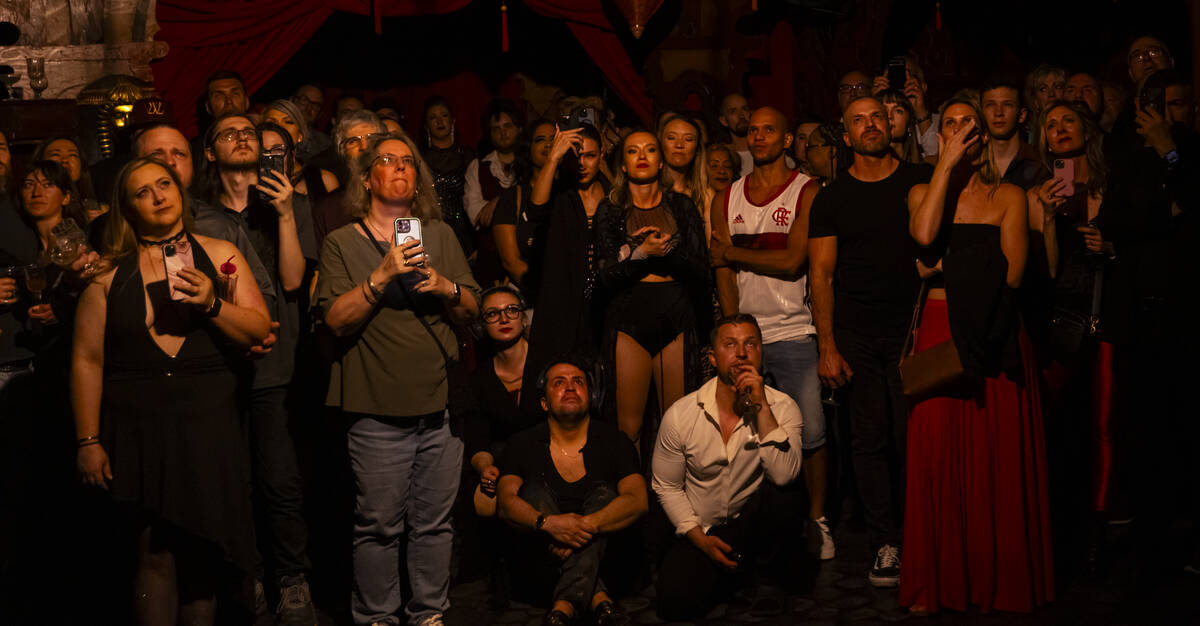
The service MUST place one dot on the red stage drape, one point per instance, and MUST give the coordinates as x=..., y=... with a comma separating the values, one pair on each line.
x=256, y=38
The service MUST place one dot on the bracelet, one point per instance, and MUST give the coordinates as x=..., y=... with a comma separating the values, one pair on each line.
x=367, y=295
x=84, y=440
x=90, y=443
x=371, y=285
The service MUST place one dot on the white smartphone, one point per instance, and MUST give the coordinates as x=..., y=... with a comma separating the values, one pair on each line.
x=409, y=229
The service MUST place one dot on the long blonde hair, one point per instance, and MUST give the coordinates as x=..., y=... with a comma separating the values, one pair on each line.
x=120, y=228
x=695, y=179
x=425, y=204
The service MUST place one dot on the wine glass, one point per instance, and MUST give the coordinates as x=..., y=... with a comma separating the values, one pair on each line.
x=35, y=281
x=37, y=76
x=69, y=243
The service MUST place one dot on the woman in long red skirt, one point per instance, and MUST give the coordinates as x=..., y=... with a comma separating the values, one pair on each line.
x=977, y=514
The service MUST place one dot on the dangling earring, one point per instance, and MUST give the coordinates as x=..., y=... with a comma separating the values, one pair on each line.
x=428, y=137
x=452, y=134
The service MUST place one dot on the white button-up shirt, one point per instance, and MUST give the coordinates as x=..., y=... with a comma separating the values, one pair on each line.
x=473, y=200
x=704, y=481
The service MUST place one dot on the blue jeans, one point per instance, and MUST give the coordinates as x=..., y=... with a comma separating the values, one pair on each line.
x=406, y=471
x=794, y=363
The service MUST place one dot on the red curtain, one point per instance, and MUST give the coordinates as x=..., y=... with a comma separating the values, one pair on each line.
x=256, y=38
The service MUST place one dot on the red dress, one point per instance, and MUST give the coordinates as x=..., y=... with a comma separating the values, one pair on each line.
x=977, y=511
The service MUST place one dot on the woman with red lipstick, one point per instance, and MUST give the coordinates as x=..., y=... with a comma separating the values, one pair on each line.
x=654, y=268
x=1082, y=238
x=497, y=385
x=498, y=389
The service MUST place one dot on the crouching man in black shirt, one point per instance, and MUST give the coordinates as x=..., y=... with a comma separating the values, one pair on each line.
x=572, y=481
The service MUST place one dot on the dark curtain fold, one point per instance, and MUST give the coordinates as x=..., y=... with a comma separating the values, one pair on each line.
x=256, y=38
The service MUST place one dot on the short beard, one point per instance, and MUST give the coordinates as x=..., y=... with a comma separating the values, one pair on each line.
x=865, y=150
x=238, y=167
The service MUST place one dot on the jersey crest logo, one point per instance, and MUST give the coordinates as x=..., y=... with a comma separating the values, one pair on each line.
x=781, y=216
x=738, y=219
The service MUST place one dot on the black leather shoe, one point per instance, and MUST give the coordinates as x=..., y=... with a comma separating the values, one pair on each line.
x=609, y=614
x=556, y=618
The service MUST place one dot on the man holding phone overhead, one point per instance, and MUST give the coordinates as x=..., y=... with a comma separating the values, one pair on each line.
x=279, y=225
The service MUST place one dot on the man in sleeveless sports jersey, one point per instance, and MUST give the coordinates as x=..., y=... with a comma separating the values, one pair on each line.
x=760, y=249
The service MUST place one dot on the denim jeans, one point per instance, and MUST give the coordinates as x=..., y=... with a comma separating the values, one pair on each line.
x=406, y=471
x=793, y=364
x=579, y=574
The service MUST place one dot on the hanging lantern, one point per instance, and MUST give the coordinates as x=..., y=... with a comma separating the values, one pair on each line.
x=637, y=13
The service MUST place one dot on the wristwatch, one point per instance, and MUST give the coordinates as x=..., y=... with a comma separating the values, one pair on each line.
x=541, y=521
x=215, y=309
x=457, y=297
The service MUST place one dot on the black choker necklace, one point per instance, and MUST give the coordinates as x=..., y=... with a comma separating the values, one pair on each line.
x=162, y=242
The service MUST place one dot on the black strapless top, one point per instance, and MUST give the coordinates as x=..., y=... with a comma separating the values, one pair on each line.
x=981, y=306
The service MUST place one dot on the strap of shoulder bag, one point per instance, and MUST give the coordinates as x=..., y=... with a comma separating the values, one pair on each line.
x=424, y=324
x=910, y=341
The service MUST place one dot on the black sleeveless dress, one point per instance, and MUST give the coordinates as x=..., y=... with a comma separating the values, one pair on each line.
x=171, y=425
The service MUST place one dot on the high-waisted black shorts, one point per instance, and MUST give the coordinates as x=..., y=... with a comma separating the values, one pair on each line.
x=653, y=314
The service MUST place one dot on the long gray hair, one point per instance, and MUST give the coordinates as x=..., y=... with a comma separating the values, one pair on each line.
x=358, y=194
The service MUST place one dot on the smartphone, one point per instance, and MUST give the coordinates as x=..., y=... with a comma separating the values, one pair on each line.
x=409, y=229
x=1153, y=97
x=177, y=256
x=1064, y=170
x=579, y=117
x=897, y=73
x=974, y=132
x=268, y=163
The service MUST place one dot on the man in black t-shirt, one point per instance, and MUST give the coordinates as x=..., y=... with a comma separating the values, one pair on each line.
x=859, y=227
x=576, y=481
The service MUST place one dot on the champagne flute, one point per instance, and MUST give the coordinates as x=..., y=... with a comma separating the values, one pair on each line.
x=35, y=282
x=37, y=76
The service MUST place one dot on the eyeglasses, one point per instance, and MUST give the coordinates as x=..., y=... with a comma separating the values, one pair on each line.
x=361, y=140
x=233, y=134
x=855, y=88
x=391, y=160
x=1141, y=56
x=305, y=102
x=511, y=312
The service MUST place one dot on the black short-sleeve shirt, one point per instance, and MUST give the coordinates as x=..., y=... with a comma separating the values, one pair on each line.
x=876, y=280
x=608, y=457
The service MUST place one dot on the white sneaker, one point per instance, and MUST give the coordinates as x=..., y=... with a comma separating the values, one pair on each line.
x=886, y=571
x=820, y=526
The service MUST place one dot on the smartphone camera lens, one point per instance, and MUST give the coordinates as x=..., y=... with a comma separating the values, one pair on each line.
x=1059, y=164
x=169, y=250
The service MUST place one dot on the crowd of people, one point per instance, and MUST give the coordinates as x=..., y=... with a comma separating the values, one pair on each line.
x=688, y=343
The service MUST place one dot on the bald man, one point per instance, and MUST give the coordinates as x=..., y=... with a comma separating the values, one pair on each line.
x=760, y=249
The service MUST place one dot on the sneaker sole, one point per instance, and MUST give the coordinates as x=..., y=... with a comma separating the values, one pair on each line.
x=883, y=582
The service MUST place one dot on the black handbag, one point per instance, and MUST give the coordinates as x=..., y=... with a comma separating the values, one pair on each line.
x=1069, y=330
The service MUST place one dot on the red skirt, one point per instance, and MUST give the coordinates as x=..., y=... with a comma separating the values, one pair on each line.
x=977, y=505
